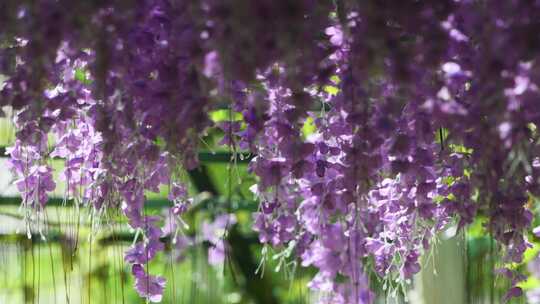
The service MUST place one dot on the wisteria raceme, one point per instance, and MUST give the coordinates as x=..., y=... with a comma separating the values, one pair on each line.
x=424, y=115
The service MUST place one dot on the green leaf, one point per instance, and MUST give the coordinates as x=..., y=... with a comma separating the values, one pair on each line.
x=224, y=115
x=332, y=90
x=309, y=127
x=335, y=79
x=81, y=76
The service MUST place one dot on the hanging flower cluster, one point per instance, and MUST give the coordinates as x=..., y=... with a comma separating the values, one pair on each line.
x=423, y=115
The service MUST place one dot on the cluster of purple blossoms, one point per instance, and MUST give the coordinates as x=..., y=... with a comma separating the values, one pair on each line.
x=375, y=124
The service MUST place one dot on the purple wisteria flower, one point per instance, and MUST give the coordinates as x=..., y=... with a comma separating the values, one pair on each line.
x=374, y=127
x=148, y=286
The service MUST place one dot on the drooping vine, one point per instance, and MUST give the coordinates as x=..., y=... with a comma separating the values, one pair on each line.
x=375, y=124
